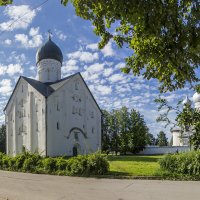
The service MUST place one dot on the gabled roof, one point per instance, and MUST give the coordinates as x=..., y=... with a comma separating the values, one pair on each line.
x=44, y=89
x=47, y=89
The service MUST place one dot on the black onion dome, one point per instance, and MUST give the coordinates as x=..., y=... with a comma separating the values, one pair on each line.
x=49, y=51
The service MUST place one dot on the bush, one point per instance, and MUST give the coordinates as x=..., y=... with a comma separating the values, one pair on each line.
x=94, y=164
x=97, y=164
x=31, y=163
x=49, y=165
x=184, y=163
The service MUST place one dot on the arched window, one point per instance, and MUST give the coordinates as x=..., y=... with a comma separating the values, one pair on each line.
x=48, y=74
x=58, y=127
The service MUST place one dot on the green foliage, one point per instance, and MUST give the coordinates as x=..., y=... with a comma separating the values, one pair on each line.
x=163, y=36
x=161, y=139
x=94, y=164
x=3, y=138
x=183, y=163
x=5, y=2
x=188, y=119
x=123, y=131
x=49, y=165
x=150, y=139
x=31, y=162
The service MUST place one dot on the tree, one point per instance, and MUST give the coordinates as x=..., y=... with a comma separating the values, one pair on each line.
x=106, y=143
x=150, y=139
x=138, y=132
x=3, y=138
x=123, y=131
x=164, y=36
x=123, y=117
x=187, y=117
x=190, y=118
x=5, y=2
x=161, y=139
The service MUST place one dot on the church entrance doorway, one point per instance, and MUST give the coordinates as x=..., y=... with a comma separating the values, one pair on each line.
x=75, y=151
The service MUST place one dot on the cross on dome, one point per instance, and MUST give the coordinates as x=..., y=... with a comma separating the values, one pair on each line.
x=50, y=34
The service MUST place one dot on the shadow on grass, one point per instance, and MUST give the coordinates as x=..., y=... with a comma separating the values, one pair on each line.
x=114, y=173
x=133, y=158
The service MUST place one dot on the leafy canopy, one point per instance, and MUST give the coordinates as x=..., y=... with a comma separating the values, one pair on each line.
x=163, y=35
x=5, y=2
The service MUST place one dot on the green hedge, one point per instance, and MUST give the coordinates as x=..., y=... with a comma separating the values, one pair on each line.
x=183, y=163
x=93, y=164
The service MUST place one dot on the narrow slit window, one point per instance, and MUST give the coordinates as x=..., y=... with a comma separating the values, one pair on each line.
x=58, y=126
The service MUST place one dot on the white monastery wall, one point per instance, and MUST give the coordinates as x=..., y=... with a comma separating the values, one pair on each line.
x=74, y=120
x=155, y=150
x=25, y=120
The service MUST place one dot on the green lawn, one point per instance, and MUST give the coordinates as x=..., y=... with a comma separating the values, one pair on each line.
x=134, y=165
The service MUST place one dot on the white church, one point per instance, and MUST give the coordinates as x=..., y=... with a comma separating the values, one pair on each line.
x=179, y=138
x=52, y=116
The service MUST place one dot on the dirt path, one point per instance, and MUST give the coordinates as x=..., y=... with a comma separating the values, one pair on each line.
x=20, y=186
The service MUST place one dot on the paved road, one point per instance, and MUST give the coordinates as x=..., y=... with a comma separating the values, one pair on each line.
x=20, y=186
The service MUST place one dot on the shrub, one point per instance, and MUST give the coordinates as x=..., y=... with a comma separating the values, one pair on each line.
x=49, y=165
x=31, y=162
x=184, y=163
x=97, y=164
x=77, y=165
x=61, y=164
x=94, y=164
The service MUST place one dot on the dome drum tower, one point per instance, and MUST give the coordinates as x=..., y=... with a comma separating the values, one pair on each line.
x=49, y=62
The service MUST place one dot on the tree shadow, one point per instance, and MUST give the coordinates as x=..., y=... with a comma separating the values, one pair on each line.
x=134, y=158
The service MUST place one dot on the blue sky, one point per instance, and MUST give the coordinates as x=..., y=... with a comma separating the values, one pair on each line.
x=100, y=68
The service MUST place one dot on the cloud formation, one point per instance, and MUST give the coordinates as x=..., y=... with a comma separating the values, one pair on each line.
x=14, y=13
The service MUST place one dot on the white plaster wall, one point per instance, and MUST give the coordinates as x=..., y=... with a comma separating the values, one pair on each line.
x=22, y=119
x=197, y=105
x=154, y=150
x=176, y=138
x=72, y=107
x=49, y=70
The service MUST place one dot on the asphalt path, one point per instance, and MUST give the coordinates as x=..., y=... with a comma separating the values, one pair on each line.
x=21, y=186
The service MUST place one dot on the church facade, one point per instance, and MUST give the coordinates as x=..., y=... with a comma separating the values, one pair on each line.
x=52, y=116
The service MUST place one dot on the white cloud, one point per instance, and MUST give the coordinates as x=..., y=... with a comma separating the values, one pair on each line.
x=83, y=56
x=8, y=42
x=14, y=69
x=34, y=31
x=5, y=87
x=108, y=50
x=97, y=67
x=104, y=90
x=15, y=13
x=108, y=72
x=2, y=70
x=89, y=77
x=60, y=35
x=116, y=77
x=93, y=46
x=11, y=69
x=33, y=41
x=120, y=65
x=69, y=66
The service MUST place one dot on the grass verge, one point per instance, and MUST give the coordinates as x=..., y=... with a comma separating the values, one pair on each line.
x=134, y=165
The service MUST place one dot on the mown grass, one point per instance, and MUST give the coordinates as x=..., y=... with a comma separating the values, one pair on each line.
x=134, y=165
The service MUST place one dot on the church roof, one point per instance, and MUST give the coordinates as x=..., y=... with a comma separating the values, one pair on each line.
x=47, y=89
x=49, y=50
